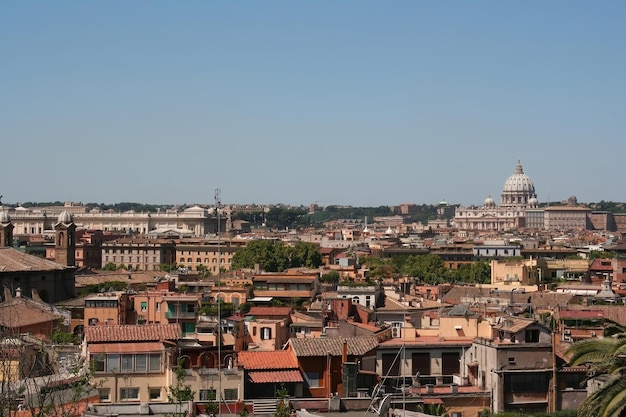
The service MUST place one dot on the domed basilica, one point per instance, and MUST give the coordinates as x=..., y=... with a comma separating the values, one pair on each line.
x=518, y=194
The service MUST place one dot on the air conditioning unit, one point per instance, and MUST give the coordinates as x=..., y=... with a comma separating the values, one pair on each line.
x=567, y=338
x=566, y=331
x=593, y=334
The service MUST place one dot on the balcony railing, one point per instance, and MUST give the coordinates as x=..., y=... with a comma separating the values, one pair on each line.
x=180, y=315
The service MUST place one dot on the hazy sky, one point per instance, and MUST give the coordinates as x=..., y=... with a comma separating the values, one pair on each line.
x=341, y=102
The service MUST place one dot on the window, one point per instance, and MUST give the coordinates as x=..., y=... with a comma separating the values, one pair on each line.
x=97, y=362
x=534, y=382
x=312, y=379
x=158, y=306
x=113, y=363
x=144, y=306
x=266, y=333
x=127, y=363
x=141, y=363
x=104, y=394
x=207, y=394
x=188, y=328
x=532, y=336
x=155, y=362
x=230, y=394
x=154, y=393
x=129, y=394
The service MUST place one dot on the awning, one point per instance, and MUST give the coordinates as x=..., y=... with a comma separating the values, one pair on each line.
x=125, y=347
x=264, y=377
x=433, y=401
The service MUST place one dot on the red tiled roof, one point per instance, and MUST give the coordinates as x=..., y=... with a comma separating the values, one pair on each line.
x=23, y=311
x=132, y=333
x=581, y=314
x=275, y=376
x=269, y=311
x=13, y=260
x=273, y=359
x=357, y=346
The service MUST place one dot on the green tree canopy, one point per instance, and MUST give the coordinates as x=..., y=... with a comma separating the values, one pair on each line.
x=606, y=356
x=478, y=272
x=428, y=268
x=274, y=256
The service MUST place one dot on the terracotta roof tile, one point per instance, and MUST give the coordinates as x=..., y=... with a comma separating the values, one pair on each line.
x=269, y=311
x=275, y=376
x=132, y=333
x=13, y=260
x=23, y=311
x=357, y=346
x=273, y=359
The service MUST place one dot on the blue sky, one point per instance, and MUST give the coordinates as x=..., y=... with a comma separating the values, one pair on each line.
x=363, y=103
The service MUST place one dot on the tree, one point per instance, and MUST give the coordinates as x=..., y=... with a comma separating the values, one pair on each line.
x=304, y=254
x=110, y=266
x=379, y=267
x=179, y=392
x=276, y=257
x=429, y=268
x=601, y=254
x=35, y=379
x=282, y=408
x=203, y=271
x=605, y=356
x=332, y=277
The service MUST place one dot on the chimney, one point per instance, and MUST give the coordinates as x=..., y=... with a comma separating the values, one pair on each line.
x=344, y=353
x=18, y=292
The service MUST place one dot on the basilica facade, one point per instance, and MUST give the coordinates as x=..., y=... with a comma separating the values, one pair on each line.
x=518, y=195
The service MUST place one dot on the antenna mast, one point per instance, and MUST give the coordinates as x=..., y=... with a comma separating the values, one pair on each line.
x=218, y=204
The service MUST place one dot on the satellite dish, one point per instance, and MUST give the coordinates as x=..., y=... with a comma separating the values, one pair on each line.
x=383, y=407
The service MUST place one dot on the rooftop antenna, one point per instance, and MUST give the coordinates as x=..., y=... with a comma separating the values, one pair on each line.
x=218, y=204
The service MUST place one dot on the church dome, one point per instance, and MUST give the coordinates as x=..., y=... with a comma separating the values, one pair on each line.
x=4, y=216
x=518, y=188
x=489, y=202
x=65, y=217
x=519, y=182
x=533, y=202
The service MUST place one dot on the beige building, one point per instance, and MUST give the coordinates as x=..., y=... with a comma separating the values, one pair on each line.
x=515, y=272
x=191, y=253
x=267, y=334
x=135, y=363
x=518, y=194
x=195, y=221
x=139, y=253
x=567, y=218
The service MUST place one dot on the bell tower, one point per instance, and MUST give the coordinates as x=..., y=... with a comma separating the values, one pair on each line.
x=65, y=240
x=6, y=229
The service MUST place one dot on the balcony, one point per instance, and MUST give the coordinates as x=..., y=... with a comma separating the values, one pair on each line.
x=180, y=315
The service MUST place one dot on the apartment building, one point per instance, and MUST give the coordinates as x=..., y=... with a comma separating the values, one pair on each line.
x=139, y=253
x=195, y=221
x=210, y=253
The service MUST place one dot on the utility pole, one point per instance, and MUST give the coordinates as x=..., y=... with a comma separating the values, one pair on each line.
x=218, y=204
